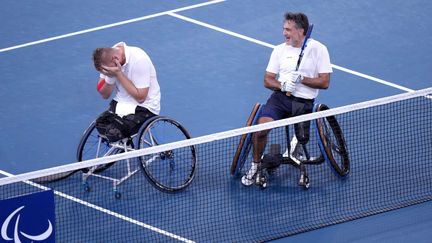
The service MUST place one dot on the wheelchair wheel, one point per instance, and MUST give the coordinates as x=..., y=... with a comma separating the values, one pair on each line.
x=171, y=170
x=333, y=143
x=245, y=144
x=92, y=145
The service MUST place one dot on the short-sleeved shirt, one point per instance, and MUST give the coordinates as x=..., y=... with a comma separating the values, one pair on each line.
x=315, y=60
x=140, y=70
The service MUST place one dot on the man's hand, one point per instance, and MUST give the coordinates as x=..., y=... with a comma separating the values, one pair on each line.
x=112, y=71
x=288, y=86
x=287, y=83
x=295, y=76
x=289, y=80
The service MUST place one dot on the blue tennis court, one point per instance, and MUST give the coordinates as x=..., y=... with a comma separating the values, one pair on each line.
x=210, y=58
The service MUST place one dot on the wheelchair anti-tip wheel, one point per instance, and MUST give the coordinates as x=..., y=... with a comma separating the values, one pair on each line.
x=171, y=170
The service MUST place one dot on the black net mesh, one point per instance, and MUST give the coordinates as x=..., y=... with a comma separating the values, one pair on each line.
x=389, y=149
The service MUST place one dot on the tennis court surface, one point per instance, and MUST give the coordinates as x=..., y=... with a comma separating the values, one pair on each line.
x=210, y=58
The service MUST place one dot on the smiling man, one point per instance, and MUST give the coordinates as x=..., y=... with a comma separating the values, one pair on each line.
x=282, y=77
x=129, y=71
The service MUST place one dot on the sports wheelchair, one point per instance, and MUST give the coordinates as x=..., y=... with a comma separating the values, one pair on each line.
x=168, y=171
x=330, y=139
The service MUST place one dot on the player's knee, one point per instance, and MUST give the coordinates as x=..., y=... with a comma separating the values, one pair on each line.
x=260, y=135
x=265, y=119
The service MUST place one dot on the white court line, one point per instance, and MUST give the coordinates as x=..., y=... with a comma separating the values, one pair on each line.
x=372, y=78
x=104, y=210
x=109, y=25
x=194, y=21
x=172, y=13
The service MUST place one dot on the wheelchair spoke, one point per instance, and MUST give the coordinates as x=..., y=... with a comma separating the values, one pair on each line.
x=151, y=160
x=98, y=147
x=331, y=141
x=93, y=145
x=152, y=138
x=336, y=148
x=110, y=152
x=167, y=170
x=90, y=149
x=327, y=132
x=147, y=142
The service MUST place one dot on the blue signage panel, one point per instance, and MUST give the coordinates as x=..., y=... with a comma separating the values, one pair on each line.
x=28, y=218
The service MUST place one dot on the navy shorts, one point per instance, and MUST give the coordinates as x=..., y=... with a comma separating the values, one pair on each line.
x=280, y=106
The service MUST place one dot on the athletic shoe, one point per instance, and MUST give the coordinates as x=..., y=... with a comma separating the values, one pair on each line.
x=249, y=178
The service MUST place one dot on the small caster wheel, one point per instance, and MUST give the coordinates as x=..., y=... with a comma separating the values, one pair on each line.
x=306, y=186
x=117, y=195
x=261, y=180
x=304, y=181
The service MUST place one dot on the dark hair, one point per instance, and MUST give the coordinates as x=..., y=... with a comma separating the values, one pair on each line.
x=99, y=55
x=300, y=19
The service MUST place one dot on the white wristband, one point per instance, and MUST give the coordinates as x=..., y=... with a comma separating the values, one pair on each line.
x=109, y=80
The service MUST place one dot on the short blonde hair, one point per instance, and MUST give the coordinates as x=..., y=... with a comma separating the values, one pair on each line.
x=101, y=55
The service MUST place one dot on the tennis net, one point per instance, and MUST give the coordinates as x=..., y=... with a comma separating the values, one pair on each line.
x=387, y=143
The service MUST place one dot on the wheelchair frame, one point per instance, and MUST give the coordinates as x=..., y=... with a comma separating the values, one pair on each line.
x=326, y=147
x=126, y=145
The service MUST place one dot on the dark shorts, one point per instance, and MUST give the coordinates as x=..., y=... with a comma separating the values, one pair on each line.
x=115, y=127
x=280, y=106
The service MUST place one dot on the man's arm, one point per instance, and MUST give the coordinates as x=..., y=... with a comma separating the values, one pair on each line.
x=320, y=82
x=324, y=70
x=139, y=94
x=270, y=81
x=105, y=89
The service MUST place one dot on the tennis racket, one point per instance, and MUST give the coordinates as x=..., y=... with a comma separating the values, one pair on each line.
x=308, y=34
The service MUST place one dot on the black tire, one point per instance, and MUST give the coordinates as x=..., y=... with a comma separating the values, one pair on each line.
x=168, y=171
x=332, y=139
x=88, y=148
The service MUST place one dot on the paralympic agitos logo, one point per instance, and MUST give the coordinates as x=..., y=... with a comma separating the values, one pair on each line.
x=17, y=233
x=28, y=218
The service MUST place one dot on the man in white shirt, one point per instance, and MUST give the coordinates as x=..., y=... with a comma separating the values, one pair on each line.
x=129, y=71
x=302, y=86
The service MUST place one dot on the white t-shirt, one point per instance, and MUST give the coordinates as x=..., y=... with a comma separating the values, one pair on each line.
x=315, y=60
x=140, y=70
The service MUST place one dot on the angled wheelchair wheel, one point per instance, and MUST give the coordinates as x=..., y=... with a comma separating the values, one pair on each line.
x=332, y=141
x=245, y=144
x=171, y=170
x=92, y=145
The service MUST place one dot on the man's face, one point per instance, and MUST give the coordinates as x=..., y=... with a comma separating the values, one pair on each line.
x=293, y=36
x=111, y=61
x=108, y=61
